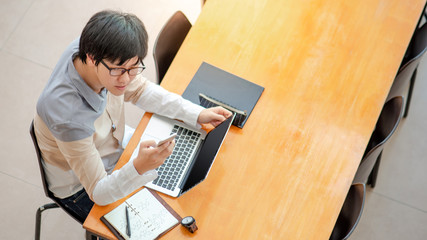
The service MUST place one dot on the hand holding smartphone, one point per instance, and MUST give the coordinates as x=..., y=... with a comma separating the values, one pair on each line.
x=168, y=139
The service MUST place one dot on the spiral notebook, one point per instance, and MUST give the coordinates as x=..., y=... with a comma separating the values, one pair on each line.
x=149, y=217
x=212, y=86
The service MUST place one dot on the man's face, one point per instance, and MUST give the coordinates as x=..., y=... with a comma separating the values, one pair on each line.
x=117, y=84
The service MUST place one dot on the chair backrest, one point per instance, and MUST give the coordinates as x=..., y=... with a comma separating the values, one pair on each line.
x=169, y=41
x=47, y=192
x=419, y=44
x=417, y=50
x=386, y=125
x=351, y=212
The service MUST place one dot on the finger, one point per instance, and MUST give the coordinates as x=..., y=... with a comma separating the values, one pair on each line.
x=218, y=118
x=171, y=146
x=224, y=112
x=163, y=146
x=216, y=123
x=228, y=113
x=166, y=149
x=147, y=144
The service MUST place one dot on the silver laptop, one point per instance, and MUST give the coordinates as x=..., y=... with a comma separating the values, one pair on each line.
x=193, y=155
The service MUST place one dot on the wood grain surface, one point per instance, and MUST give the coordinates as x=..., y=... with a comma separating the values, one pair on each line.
x=327, y=67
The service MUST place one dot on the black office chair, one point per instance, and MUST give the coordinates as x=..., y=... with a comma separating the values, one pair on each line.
x=169, y=41
x=48, y=193
x=408, y=71
x=350, y=213
x=386, y=125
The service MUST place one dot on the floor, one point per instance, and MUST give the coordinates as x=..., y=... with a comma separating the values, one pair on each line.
x=34, y=34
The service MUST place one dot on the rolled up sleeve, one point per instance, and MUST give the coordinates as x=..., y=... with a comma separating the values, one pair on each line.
x=85, y=161
x=157, y=100
x=121, y=183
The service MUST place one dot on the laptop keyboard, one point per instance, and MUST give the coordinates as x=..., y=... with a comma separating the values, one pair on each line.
x=171, y=171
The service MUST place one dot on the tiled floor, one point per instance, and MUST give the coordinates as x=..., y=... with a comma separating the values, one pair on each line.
x=34, y=34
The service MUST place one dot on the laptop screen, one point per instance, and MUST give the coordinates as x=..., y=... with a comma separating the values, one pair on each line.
x=207, y=154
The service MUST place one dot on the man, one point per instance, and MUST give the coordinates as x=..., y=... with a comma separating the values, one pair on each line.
x=80, y=114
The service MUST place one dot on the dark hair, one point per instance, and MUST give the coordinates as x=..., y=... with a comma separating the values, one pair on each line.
x=114, y=36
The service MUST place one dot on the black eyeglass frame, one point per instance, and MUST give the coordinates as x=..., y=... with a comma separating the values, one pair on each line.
x=123, y=70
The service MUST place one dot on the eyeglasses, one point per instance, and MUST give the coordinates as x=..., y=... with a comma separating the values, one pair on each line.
x=120, y=71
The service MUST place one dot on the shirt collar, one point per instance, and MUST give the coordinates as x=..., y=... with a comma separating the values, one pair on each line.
x=95, y=100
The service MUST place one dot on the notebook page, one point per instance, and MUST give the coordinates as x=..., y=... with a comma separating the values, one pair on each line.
x=147, y=216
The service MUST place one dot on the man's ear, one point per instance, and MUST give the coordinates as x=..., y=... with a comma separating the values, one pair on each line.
x=89, y=60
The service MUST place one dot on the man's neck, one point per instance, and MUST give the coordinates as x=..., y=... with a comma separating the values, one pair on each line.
x=88, y=75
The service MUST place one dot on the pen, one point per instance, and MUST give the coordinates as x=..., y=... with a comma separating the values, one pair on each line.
x=127, y=222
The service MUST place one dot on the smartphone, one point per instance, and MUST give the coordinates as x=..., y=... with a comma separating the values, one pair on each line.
x=168, y=139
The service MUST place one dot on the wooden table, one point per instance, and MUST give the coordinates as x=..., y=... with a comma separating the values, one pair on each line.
x=327, y=67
